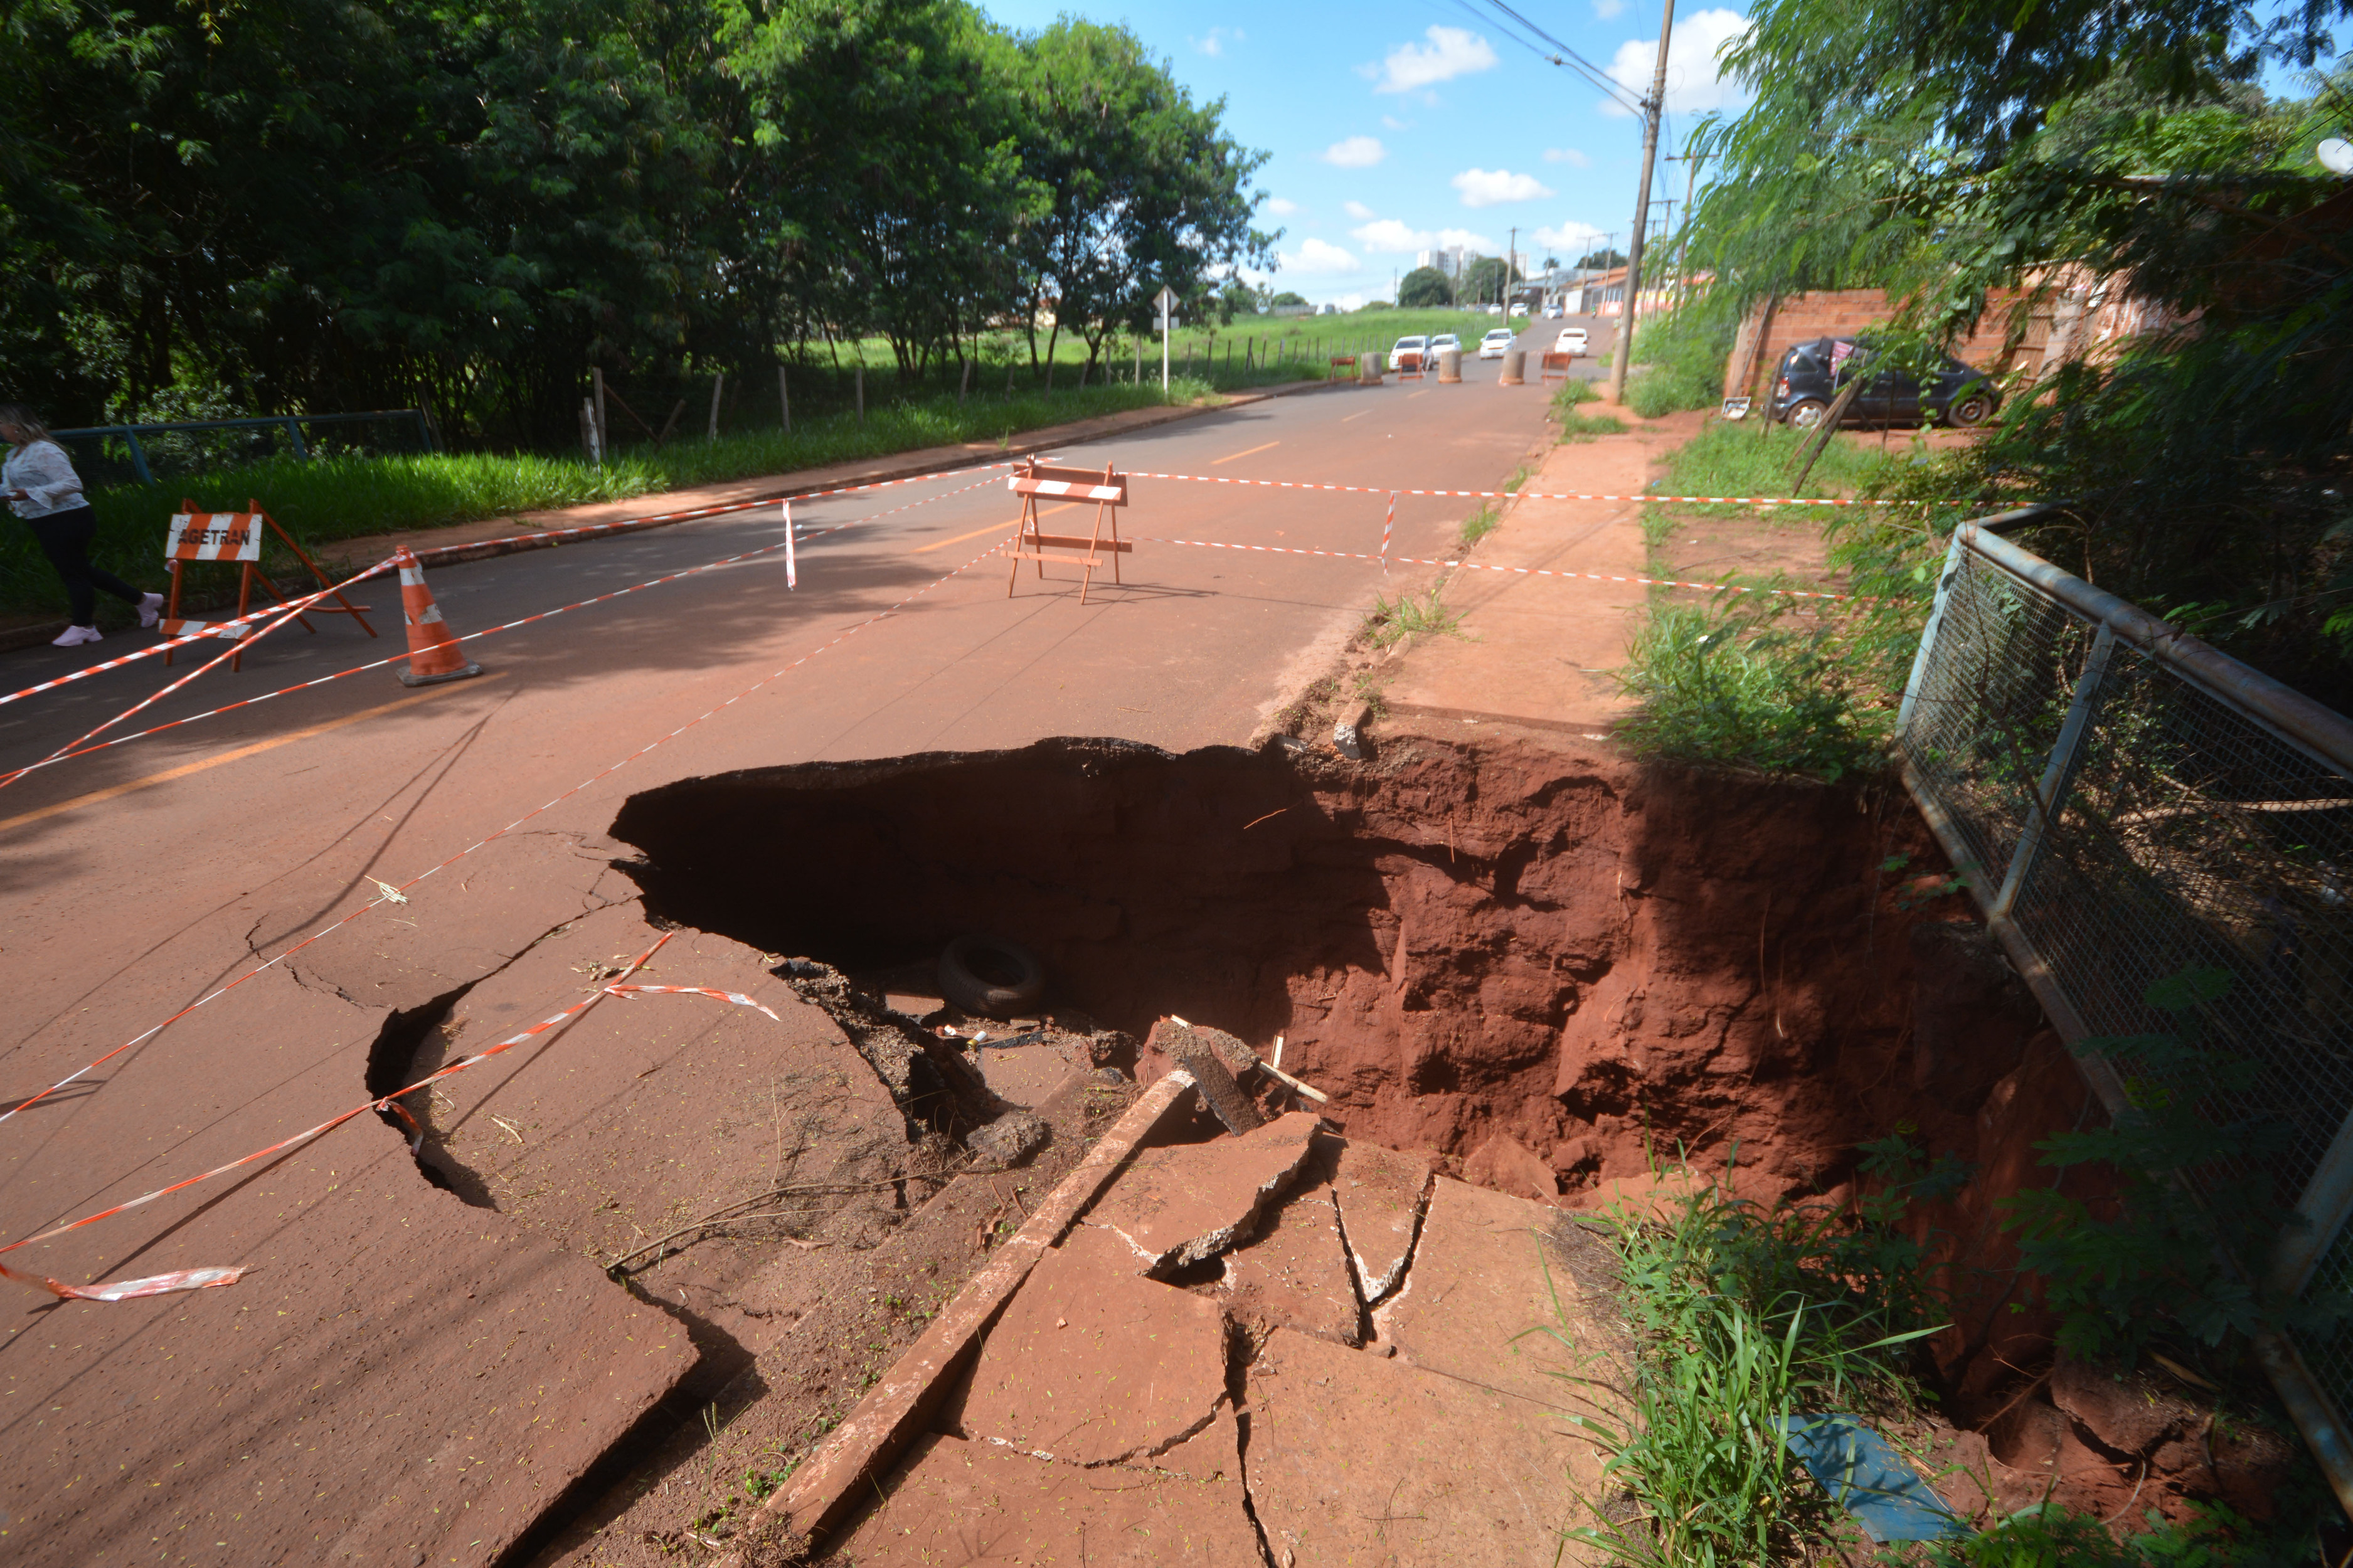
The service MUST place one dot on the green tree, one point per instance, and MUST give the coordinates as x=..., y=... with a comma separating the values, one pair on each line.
x=1143, y=187
x=1288, y=298
x=1600, y=260
x=1483, y=280
x=1425, y=288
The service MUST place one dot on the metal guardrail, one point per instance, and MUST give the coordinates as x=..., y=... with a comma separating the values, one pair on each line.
x=2126, y=802
x=291, y=423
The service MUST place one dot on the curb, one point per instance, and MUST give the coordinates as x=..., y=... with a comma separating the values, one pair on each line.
x=1039, y=441
x=839, y=1475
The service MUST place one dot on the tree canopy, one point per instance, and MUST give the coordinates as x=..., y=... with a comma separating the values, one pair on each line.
x=1424, y=287
x=311, y=204
x=2023, y=167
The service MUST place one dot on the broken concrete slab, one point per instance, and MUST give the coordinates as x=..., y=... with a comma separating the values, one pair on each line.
x=1493, y=1298
x=1504, y=1165
x=834, y=1479
x=1177, y=1207
x=1379, y=1193
x=1093, y=1365
x=965, y=1502
x=1356, y=1458
x=1213, y=1057
x=1296, y=1272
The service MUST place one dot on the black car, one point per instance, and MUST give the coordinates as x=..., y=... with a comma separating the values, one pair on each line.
x=1812, y=374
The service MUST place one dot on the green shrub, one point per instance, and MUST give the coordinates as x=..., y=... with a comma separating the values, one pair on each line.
x=1735, y=690
x=1684, y=354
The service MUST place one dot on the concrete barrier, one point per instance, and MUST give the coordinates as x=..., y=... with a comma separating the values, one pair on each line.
x=1516, y=367
x=1368, y=370
x=1450, y=366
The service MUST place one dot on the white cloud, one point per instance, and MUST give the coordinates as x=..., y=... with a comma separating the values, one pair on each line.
x=1355, y=153
x=1281, y=207
x=1694, y=84
x=1569, y=155
x=1394, y=123
x=1606, y=9
x=1356, y=210
x=1570, y=240
x=1321, y=256
x=1218, y=37
x=1451, y=52
x=1388, y=235
x=1488, y=187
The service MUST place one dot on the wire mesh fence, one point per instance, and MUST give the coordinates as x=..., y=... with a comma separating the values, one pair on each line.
x=2133, y=805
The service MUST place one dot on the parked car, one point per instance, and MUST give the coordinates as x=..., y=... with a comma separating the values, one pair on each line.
x=1812, y=374
x=1417, y=347
x=1441, y=342
x=1497, y=344
x=1572, y=342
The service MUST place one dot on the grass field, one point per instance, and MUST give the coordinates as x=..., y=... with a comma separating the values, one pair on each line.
x=328, y=499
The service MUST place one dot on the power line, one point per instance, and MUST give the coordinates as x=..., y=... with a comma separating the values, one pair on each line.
x=1559, y=54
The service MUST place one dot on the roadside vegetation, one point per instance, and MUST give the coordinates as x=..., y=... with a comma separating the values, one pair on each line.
x=323, y=499
x=1576, y=424
x=1683, y=355
x=1743, y=1317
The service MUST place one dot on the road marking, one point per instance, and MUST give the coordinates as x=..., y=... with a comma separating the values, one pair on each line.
x=992, y=528
x=1356, y=415
x=1238, y=456
x=1411, y=395
x=185, y=769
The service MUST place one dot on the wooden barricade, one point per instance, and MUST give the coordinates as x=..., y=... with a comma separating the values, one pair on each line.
x=1411, y=363
x=236, y=536
x=1554, y=367
x=1341, y=362
x=1107, y=489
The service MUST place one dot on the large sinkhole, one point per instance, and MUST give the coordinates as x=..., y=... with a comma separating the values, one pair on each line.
x=1550, y=964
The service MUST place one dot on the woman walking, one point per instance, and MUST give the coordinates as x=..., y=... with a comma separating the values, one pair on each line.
x=42, y=488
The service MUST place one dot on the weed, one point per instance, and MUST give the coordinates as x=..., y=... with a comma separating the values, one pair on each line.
x=1390, y=623
x=1519, y=477
x=1480, y=523
x=1304, y=708
x=1732, y=688
x=1744, y=1317
x=1684, y=354
x=1576, y=426
x=1571, y=393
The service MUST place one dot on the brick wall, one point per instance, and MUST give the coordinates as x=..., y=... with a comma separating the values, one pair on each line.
x=1794, y=319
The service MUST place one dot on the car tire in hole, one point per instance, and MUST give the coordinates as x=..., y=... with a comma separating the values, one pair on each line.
x=1806, y=413
x=989, y=976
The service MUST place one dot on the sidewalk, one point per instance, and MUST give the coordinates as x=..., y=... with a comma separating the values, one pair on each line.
x=1541, y=650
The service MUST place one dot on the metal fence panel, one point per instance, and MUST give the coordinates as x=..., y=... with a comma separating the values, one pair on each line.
x=2197, y=817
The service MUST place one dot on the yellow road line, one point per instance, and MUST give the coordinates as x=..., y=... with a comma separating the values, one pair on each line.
x=185, y=769
x=1238, y=456
x=1356, y=415
x=1006, y=527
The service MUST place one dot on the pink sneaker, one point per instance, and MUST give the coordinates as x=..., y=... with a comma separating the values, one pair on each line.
x=74, y=637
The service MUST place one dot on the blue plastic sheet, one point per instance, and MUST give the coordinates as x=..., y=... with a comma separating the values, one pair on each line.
x=1864, y=1473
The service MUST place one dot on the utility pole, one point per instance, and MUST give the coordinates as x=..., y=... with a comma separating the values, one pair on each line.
x=1510, y=251
x=1651, y=110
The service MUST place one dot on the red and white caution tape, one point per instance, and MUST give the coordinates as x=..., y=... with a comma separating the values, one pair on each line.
x=387, y=894
x=1482, y=567
x=202, y=1278
x=237, y=647
x=1388, y=522
x=1528, y=495
x=66, y=756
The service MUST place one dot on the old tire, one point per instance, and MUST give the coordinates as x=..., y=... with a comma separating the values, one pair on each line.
x=1972, y=409
x=990, y=977
x=1806, y=413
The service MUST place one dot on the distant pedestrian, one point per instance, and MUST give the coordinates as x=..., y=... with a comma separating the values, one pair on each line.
x=42, y=488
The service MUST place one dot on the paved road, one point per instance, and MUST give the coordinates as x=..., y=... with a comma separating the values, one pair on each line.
x=141, y=878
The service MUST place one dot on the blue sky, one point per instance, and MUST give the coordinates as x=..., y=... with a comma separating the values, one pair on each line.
x=1394, y=125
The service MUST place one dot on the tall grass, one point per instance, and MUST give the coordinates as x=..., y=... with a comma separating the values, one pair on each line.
x=1744, y=1317
x=1683, y=356
x=327, y=499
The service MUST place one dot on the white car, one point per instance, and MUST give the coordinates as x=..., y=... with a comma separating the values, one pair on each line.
x=1571, y=342
x=1419, y=346
x=1443, y=342
x=1497, y=344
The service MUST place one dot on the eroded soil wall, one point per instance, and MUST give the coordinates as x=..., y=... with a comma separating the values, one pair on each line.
x=1462, y=945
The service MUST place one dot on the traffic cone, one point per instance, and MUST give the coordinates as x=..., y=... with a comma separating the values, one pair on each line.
x=433, y=655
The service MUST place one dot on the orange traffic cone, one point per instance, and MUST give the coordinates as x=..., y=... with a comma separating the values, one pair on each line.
x=433, y=655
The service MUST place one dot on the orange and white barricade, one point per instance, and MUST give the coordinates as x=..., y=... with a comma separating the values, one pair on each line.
x=235, y=537
x=1107, y=489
